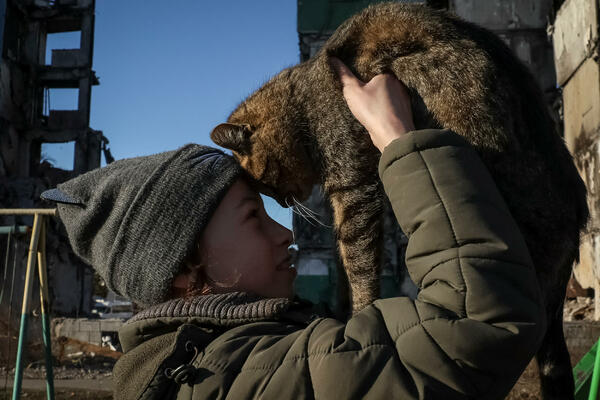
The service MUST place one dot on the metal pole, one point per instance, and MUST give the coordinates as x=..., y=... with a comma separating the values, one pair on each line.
x=31, y=258
x=45, y=311
x=8, y=243
x=27, y=211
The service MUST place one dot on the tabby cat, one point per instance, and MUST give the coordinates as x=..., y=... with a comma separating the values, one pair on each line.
x=297, y=131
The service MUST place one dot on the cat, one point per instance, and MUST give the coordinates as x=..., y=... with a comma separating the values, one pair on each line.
x=297, y=131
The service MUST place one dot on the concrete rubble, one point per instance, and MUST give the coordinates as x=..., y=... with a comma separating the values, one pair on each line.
x=579, y=309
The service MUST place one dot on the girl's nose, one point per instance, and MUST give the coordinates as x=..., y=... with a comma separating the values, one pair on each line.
x=286, y=236
x=282, y=235
x=290, y=237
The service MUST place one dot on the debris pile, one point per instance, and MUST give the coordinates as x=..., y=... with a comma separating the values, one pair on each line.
x=579, y=309
x=73, y=359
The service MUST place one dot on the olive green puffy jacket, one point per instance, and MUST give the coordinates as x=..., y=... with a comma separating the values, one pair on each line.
x=477, y=321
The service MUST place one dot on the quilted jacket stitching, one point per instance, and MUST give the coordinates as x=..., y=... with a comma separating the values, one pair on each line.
x=452, y=229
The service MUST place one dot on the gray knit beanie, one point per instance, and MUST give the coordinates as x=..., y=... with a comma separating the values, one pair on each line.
x=135, y=220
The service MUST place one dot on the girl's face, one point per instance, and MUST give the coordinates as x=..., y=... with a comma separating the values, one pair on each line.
x=243, y=249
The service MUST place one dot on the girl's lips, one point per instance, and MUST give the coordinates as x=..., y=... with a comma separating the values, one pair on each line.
x=289, y=269
x=285, y=265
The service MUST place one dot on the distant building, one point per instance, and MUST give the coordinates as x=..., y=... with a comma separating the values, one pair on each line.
x=28, y=120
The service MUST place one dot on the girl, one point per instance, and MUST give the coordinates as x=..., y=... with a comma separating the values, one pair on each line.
x=185, y=234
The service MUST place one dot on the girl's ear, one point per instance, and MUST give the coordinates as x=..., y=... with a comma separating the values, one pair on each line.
x=234, y=137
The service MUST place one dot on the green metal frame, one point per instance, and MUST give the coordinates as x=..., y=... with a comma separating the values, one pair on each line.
x=36, y=255
x=587, y=375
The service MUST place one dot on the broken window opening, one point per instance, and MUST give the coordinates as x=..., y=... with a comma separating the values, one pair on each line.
x=59, y=155
x=60, y=99
x=61, y=41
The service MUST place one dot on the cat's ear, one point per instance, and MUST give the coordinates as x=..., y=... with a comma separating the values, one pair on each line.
x=234, y=137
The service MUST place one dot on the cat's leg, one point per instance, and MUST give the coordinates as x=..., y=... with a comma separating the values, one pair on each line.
x=358, y=222
x=343, y=309
x=556, y=376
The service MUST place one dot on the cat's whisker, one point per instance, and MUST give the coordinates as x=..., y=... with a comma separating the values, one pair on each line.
x=309, y=213
x=305, y=208
x=298, y=211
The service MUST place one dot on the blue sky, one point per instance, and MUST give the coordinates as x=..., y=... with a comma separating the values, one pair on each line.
x=170, y=71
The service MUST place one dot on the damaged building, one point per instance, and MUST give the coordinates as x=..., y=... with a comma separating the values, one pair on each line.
x=30, y=73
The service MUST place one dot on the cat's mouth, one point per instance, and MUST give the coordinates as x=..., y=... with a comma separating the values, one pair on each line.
x=284, y=200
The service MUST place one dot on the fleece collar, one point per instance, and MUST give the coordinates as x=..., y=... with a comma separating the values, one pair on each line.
x=220, y=311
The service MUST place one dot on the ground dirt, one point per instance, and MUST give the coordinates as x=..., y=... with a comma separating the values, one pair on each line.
x=60, y=394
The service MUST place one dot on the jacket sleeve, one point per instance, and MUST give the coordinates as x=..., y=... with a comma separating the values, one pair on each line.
x=478, y=318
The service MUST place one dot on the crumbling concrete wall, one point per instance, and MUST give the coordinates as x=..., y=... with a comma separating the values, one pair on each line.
x=522, y=25
x=12, y=95
x=576, y=48
x=23, y=77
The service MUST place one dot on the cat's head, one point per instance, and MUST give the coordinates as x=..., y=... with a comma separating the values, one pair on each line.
x=266, y=135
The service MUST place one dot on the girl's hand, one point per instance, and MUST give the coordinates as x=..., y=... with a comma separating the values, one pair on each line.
x=381, y=105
